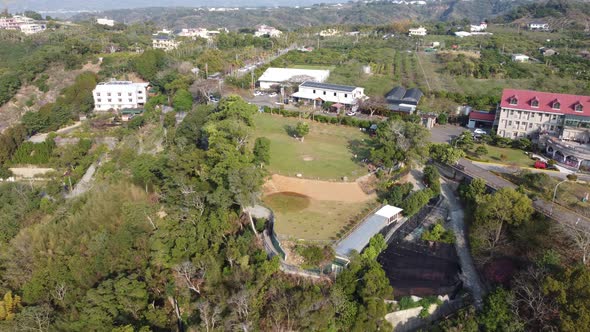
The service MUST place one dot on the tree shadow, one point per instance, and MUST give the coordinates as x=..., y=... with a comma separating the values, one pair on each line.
x=360, y=150
x=290, y=130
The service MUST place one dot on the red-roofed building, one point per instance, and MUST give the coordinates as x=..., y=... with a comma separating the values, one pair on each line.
x=525, y=113
x=481, y=119
x=561, y=122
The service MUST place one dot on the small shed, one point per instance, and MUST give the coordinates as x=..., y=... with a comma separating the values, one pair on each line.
x=520, y=58
x=392, y=213
x=479, y=119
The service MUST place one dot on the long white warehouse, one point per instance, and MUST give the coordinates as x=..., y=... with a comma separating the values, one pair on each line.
x=276, y=76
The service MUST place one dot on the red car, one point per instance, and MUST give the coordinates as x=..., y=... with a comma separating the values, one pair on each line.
x=540, y=164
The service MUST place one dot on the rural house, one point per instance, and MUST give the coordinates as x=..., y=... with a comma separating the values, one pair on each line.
x=342, y=96
x=401, y=100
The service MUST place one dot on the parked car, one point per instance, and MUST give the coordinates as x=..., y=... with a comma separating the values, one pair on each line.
x=479, y=131
x=540, y=165
x=258, y=93
x=351, y=113
x=272, y=94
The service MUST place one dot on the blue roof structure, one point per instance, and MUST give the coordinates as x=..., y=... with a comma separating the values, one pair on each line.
x=360, y=237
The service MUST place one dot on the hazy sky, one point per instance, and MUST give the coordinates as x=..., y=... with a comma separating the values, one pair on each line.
x=54, y=5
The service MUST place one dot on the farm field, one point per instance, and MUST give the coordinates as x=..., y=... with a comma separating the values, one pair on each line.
x=324, y=154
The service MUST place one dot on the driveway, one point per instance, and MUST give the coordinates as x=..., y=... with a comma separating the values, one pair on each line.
x=469, y=275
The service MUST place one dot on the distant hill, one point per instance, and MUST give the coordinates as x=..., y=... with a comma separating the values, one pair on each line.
x=352, y=13
x=560, y=14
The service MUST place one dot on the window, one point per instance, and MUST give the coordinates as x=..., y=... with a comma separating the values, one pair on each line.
x=314, y=91
x=334, y=94
x=108, y=94
x=324, y=93
x=510, y=123
x=556, y=105
x=109, y=100
x=535, y=103
x=119, y=94
x=130, y=100
x=98, y=94
x=98, y=100
x=120, y=100
x=511, y=113
x=346, y=95
x=140, y=92
x=140, y=98
x=129, y=94
x=530, y=126
x=578, y=107
x=554, y=117
x=532, y=115
x=513, y=101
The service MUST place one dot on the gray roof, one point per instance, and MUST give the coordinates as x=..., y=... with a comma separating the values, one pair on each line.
x=327, y=86
x=400, y=95
x=359, y=238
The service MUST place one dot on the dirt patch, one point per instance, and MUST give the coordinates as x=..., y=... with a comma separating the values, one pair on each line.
x=287, y=201
x=59, y=78
x=307, y=158
x=318, y=190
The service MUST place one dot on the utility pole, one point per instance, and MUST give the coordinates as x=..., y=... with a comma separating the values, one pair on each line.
x=206, y=70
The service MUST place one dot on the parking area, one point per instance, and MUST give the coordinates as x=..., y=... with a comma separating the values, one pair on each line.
x=445, y=133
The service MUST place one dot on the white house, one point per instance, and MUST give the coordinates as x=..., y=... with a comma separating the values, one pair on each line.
x=23, y=19
x=340, y=95
x=265, y=30
x=9, y=23
x=32, y=28
x=538, y=26
x=421, y=31
x=164, y=42
x=275, y=76
x=329, y=33
x=118, y=95
x=479, y=28
x=105, y=21
x=200, y=33
x=520, y=58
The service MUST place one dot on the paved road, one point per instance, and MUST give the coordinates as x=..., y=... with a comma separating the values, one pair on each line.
x=469, y=274
x=39, y=138
x=501, y=168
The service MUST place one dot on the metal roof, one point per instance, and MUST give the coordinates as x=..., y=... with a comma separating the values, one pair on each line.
x=327, y=86
x=400, y=95
x=388, y=211
x=360, y=237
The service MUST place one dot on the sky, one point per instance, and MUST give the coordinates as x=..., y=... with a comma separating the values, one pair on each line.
x=94, y=5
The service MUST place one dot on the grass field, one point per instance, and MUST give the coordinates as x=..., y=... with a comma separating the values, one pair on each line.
x=324, y=154
x=511, y=156
x=299, y=217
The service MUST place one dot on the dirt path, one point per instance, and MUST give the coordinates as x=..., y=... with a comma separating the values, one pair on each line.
x=320, y=190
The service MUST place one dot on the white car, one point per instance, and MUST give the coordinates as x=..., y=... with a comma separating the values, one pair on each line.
x=258, y=93
x=273, y=94
x=351, y=113
x=479, y=131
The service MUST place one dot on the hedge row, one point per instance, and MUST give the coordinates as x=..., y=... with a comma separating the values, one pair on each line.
x=345, y=120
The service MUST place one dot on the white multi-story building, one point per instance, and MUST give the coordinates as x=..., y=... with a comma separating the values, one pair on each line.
x=23, y=19
x=9, y=23
x=105, y=21
x=319, y=93
x=117, y=95
x=421, y=31
x=164, y=42
x=265, y=30
x=32, y=28
x=525, y=113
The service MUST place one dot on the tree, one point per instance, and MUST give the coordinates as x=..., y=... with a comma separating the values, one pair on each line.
x=432, y=178
x=442, y=119
x=9, y=306
x=497, y=314
x=571, y=289
x=481, y=151
x=493, y=212
x=262, y=151
x=302, y=129
x=473, y=192
x=445, y=153
x=149, y=63
x=182, y=101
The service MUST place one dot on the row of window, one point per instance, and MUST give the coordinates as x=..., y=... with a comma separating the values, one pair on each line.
x=98, y=100
x=119, y=93
x=324, y=92
x=556, y=104
x=532, y=115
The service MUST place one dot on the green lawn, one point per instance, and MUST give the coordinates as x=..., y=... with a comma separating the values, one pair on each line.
x=511, y=156
x=301, y=218
x=324, y=154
